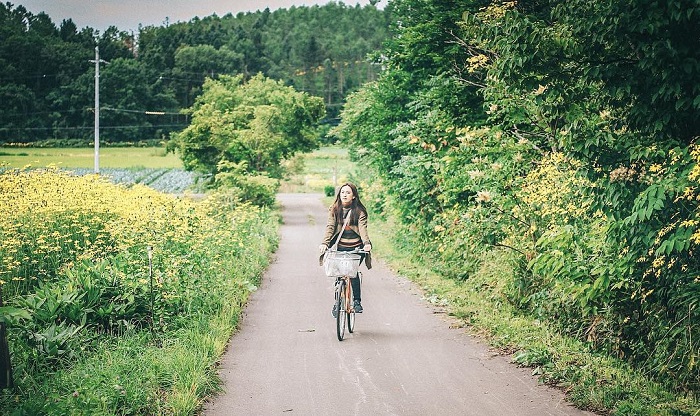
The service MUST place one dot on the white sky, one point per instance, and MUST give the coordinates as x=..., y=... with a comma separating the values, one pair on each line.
x=128, y=14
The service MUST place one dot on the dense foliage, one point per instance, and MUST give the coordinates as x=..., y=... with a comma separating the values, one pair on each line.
x=119, y=300
x=563, y=132
x=243, y=129
x=47, y=81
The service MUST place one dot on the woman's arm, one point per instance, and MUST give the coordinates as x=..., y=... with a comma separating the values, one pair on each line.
x=362, y=227
x=330, y=228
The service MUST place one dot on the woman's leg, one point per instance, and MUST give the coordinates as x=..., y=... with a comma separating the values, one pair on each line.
x=355, y=282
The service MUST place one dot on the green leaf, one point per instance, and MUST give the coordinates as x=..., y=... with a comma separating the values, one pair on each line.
x=10, y=314
x=665, y=248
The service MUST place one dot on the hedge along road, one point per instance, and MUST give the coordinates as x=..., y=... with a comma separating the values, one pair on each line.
x=402, y=359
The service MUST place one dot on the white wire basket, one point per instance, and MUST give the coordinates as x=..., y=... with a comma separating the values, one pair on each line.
x=338, y=263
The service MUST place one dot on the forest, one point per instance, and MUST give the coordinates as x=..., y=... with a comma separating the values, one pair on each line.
x=562, y=135
x=48, y=82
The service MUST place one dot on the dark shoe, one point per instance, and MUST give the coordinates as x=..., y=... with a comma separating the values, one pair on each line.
x=334, y=312
x=357, y=306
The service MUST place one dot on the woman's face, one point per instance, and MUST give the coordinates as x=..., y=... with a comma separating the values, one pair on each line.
x=346, y=195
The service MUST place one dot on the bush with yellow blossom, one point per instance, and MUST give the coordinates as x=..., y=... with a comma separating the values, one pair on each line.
x=90, y=263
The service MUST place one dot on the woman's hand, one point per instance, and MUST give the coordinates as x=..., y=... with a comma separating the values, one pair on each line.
x=322, y=248
x=367, y=247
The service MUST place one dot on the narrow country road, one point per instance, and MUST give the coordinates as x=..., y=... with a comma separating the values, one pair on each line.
x=403, y=358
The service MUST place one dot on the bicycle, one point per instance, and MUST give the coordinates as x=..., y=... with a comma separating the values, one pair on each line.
x=343, y=265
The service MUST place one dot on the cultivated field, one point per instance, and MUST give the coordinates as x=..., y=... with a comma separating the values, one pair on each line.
x=152, y=166
x=119, y=157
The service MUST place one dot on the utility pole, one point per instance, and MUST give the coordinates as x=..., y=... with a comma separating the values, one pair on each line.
x=97, y=62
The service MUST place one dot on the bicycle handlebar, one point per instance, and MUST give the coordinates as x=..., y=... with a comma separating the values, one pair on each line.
x=355, y=251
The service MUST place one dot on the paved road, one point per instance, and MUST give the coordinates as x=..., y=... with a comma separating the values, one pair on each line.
x=403, y=359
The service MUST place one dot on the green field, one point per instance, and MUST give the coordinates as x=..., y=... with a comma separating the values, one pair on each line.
x=314, y=171
x=115, y=157
x=322, y=167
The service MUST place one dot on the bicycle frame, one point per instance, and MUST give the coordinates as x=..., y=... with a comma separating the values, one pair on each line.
x=344, y=302
x=347, y=295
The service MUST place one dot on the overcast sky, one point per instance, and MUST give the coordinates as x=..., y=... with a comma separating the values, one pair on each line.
x=128, y=14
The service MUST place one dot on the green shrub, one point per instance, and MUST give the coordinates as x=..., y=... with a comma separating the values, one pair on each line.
x=258, y=190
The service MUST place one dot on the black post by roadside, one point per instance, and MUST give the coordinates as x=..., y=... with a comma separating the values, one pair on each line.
x=5, y=364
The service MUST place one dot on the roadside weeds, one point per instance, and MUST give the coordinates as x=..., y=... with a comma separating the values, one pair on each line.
x=591, y=380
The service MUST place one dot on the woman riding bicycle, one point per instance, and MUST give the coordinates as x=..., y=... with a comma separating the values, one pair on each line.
x=354, y=236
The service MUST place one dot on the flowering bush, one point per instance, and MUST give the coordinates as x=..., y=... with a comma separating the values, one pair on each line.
x=88, y=260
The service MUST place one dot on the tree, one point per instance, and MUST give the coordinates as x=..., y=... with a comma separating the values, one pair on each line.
x=46, y=77
x=503, y=102
x=207, y=60
x=126, y=94
x=259, y=123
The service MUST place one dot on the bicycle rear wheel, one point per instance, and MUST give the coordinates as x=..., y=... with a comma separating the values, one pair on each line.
x=351, y=321
x=341, y=317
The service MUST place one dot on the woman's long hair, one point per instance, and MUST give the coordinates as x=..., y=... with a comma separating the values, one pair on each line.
x=355, y=207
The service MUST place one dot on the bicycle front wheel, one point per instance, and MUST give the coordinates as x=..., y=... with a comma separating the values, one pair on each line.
x=341, y=316
x=351, y=314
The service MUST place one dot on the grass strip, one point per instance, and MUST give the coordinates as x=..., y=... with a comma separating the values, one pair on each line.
x=136, y=374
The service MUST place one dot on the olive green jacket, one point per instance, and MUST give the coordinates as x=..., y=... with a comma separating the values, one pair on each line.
x=333, y=230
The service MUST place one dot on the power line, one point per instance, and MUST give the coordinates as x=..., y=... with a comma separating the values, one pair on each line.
x=75, y=74
x=147, y=112
x=120, y=110
x=90, y=127
x=183, y=79
x=47, y=112
x=42, y=76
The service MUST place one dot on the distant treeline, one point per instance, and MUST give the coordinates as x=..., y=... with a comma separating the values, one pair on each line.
x=47, y=79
